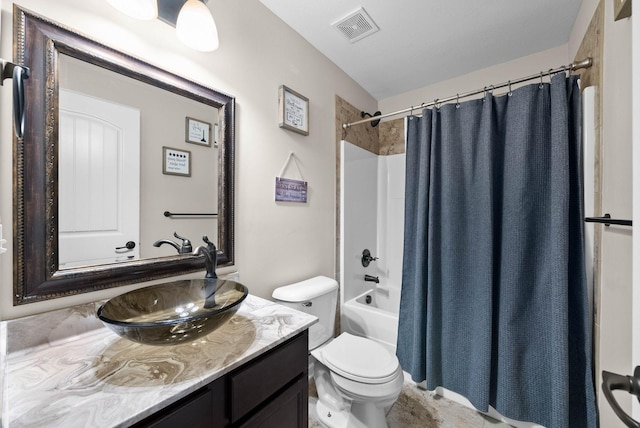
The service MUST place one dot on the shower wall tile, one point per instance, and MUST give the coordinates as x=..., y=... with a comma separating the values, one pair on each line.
x=364, y=136
x=391, y=136
x=593, y=46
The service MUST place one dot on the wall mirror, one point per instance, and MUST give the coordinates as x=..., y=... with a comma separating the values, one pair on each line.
x=79, y=179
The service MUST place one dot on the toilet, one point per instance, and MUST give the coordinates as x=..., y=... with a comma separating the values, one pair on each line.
x=357, y=378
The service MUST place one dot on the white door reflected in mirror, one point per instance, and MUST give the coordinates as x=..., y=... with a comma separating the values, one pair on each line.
x=99, y=181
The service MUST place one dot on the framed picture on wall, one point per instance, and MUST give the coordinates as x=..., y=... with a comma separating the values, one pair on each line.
x=197, y=131
x=176, y=162
x=293, y=111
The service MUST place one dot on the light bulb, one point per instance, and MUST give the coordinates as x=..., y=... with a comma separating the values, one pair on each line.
x=196, y=28
x=139, y=9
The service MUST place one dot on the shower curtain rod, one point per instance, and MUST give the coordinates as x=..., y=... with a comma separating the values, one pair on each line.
x=585, y=63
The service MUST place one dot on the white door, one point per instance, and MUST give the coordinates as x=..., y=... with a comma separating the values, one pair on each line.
x=98, y=181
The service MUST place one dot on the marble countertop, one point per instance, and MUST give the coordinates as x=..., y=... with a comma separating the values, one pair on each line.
x=65, y=369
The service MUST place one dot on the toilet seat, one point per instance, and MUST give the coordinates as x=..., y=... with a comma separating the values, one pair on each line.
x=360, y=359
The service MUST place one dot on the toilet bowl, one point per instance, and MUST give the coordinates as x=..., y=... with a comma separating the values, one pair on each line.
x=357, y=379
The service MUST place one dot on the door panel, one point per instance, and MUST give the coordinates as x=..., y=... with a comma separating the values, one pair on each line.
x=99, y=180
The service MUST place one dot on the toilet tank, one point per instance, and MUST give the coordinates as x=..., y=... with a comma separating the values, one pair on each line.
x=316, y=296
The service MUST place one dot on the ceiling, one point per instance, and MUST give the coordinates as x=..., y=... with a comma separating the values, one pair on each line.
x=422, y=42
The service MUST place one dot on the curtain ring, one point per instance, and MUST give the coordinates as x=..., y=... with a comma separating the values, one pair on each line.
x=435, y=104
x=540, y=85
x=457, y=100
x=411, y=114
x=509, y=93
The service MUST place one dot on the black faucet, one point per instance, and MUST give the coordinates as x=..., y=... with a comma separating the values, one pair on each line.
x=185, y=248
x=210, y=257
x=370, y=278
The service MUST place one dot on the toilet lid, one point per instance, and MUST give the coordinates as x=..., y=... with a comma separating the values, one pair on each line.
x=360, y=359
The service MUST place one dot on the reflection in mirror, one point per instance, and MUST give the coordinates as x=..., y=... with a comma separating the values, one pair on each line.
x=92, y=161
x=112, y=129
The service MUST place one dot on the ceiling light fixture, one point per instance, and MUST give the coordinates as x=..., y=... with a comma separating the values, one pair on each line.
x=196, y=28
x=139, y=9
x=194, y=23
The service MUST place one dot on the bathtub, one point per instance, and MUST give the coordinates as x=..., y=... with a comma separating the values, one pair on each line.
x=374, y=314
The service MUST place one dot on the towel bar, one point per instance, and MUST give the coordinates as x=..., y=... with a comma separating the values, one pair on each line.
x=170, y=214
x=607, y=220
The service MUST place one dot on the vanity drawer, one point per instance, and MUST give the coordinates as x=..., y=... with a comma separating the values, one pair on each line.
x=251, y=386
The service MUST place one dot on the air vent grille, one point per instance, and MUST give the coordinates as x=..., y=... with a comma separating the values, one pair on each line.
x=356, y=26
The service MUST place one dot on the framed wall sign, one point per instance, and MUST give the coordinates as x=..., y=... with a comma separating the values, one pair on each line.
x=176, y=162
x=293, y=111
x=197, y=131
x=288, y=190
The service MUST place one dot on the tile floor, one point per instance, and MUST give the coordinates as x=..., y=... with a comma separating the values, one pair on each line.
x=418, y=408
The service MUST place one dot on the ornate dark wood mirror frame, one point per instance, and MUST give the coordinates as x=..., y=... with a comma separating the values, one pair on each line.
x=38, y=43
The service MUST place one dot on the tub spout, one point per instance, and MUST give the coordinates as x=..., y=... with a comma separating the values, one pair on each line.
x=370, y=278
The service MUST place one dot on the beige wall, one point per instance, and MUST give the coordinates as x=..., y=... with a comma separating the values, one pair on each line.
x=615, y=326
x=499, y=73
x=635, y=85
x=275, y=243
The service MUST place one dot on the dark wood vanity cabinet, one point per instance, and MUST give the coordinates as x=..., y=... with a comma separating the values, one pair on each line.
x=269, y=391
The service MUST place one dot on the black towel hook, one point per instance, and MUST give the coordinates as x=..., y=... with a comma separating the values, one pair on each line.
x=18, y=73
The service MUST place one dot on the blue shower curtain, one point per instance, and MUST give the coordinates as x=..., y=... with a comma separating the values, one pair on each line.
x=494, y=296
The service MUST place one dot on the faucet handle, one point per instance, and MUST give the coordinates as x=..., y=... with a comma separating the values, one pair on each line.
x=186, y=244
x=180, y=237
x=367, y=258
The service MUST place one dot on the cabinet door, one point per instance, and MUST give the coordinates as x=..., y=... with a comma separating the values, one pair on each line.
x=255, y=383
x=204, y=408
x=287, y=410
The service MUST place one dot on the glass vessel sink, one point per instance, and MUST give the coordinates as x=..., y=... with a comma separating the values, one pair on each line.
x=173, y=312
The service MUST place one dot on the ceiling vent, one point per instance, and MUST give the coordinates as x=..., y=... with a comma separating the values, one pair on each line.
x=356, y=26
